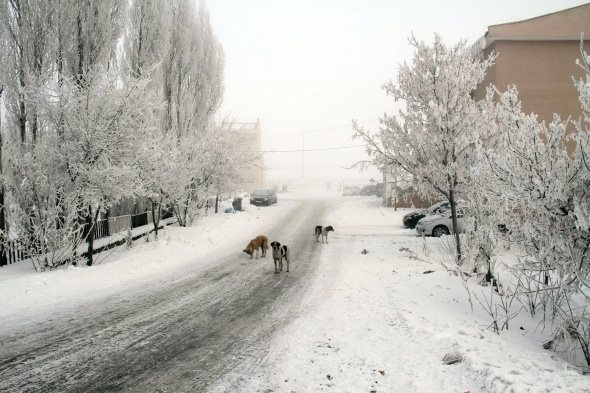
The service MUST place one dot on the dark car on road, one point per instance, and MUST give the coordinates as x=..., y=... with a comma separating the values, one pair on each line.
x=411, y=219
x=261, y=197
x=369, y=190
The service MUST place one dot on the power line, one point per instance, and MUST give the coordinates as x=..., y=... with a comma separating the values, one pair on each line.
x=303, y=150
x=318, y=130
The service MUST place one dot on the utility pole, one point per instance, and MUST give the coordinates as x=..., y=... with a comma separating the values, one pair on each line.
x=302, y=155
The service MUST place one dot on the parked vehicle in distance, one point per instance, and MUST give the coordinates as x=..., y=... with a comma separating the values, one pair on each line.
x=261, y=197
x=411, y=219
x=369, y=190
x=351, y=191
x=273, y=196
x=439, y=224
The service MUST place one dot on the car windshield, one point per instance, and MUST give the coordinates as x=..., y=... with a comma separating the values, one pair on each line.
x=260, y=192
x=439, y=207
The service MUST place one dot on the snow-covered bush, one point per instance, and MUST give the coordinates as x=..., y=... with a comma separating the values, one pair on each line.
x=538, y=182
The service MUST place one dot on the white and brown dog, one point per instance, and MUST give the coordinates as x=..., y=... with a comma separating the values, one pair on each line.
x=323, y=232
x=278, y=253
x=259, y=242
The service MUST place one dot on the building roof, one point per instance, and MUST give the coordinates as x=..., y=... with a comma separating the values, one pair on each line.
x=242, y=126
x=564, y=25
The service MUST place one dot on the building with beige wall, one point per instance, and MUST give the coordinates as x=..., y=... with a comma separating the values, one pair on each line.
x=250, y=140
x=538, y=55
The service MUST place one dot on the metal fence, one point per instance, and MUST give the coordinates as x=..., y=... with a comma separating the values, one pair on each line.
x=113, y=225
x=14, y=250
x=139, y=220
x=101, y=229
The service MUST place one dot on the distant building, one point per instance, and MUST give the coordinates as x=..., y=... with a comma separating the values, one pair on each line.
x=250, y=140
x=399, y=194
x=538, y=55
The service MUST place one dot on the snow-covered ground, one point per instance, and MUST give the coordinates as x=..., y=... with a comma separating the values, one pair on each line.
x=374, y=321
x=27, y=295
x=377, y=322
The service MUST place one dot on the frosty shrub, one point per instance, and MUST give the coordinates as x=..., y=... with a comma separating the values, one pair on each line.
x=480, y=221
x=538, y=182
x=498, y=304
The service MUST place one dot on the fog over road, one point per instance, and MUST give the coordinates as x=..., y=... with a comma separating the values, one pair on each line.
x=180, y=335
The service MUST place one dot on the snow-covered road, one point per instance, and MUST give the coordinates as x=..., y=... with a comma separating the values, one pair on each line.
x=179, y=335
x=192, y=313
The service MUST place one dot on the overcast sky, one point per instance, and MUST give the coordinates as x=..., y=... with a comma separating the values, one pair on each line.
x=308, y=66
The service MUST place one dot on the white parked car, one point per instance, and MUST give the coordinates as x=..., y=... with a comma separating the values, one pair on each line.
x=439, y=224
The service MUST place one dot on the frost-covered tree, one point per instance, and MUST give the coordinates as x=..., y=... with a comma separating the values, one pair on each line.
x=3, y=227
x=433, y=135
x=27, y=43
x=84, y=162
x=539, y=188
x=193, y=71
x=192, y=92
x=103, y=119
x=147, y=37
x=177, y=45
x=122, y=112
x=189, y=192
x=228, y=162
x=46, y=230
x=146, y=45
x=26, y=55
x=582, y=201
x=90, y=32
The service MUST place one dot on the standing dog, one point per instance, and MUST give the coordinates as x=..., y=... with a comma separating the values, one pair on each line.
x=278, y=253
x=323, y=232
x=259, y=242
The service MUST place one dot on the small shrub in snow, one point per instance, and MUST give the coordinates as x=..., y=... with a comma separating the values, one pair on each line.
x=498, y=304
